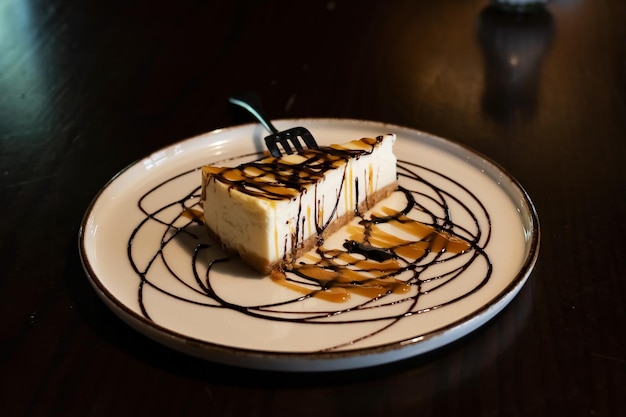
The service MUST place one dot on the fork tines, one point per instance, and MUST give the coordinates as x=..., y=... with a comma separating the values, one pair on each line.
x=290, y=141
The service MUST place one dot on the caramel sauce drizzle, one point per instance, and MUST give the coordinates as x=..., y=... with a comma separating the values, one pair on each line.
x=371, y=259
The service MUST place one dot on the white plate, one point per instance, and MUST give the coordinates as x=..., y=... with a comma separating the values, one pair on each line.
x=135, y=231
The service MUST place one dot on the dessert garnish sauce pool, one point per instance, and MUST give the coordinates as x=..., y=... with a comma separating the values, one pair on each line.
x=372, y=263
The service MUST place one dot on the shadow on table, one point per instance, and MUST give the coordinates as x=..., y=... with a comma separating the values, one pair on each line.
x=514, y=46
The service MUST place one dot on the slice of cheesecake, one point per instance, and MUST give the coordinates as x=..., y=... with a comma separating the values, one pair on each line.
x=272, y=211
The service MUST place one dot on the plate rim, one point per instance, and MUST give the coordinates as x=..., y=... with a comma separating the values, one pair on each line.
x=324, y=360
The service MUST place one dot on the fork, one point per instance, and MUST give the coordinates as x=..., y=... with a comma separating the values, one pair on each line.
x=290, y=140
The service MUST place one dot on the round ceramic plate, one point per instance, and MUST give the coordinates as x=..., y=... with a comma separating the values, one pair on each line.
x=152, y=262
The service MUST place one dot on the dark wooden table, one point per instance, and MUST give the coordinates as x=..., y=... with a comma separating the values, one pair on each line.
x=88, y=87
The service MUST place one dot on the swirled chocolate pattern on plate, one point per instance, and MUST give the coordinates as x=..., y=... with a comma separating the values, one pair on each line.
x=430, y=234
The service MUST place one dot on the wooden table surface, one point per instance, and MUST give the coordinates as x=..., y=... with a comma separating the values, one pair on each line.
x=89, y=87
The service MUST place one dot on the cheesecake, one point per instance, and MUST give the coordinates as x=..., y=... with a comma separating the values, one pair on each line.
x=271, y=211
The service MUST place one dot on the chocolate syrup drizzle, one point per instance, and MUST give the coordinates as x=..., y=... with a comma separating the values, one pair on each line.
x=281, y=178
x=373, y=262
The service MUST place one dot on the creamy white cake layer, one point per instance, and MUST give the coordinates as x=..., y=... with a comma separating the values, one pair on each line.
x=271, y=210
